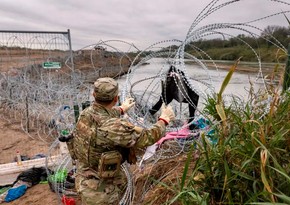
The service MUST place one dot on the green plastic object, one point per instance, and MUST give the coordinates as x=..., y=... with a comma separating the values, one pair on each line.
x=59, y=176
x=4, y=189
x=64, y=132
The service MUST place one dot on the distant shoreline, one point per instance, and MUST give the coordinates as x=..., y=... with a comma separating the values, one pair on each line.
x=244, y=67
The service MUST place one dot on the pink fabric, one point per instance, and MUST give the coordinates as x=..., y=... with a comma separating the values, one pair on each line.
x=183, y=133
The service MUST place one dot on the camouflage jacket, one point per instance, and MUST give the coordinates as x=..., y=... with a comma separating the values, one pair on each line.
x=100, y=130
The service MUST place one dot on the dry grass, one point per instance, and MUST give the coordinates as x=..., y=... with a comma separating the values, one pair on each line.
x=152, y=183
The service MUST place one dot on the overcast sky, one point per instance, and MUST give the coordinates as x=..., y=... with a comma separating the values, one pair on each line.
x=142, y=22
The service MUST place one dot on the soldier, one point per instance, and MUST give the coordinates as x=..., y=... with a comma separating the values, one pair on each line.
x=103, y=140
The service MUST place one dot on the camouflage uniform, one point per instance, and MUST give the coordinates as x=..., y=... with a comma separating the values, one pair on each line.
x=100, y=130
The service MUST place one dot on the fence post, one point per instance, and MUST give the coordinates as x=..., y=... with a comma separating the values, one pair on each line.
x=27, y=114
x=286, y=83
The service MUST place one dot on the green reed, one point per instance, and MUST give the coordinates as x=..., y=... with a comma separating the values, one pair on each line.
x=250, y=164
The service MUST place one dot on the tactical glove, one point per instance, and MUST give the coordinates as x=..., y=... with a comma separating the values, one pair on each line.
x=127, y=104
x=167, y=114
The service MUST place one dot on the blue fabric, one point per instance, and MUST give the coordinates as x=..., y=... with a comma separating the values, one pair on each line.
x=15, y=193
x=201, y=123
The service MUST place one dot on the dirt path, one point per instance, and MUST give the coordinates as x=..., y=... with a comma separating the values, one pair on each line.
x=13, y=138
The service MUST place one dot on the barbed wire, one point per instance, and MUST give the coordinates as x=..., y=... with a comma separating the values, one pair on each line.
x=49, y=100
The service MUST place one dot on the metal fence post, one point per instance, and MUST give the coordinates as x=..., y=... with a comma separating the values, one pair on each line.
x=286, y=83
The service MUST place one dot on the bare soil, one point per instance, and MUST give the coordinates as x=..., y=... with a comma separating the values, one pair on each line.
x=37, y=195
x=13, y=138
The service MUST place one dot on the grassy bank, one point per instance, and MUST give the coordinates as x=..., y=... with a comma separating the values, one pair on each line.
x=250, y=163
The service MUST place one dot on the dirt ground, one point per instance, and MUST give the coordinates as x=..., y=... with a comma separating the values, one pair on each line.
x=13, y=138
x=37, y=195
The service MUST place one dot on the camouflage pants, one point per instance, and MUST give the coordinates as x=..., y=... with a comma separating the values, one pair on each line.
x=94, y=191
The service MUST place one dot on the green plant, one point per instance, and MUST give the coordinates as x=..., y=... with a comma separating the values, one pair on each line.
x=185, y=192
x=251, y=162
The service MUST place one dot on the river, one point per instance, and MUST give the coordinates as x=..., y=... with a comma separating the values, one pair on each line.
x=203, y=81
x=144, y=82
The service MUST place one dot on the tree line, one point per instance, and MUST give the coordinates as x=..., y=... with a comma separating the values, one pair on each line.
x=235, y=47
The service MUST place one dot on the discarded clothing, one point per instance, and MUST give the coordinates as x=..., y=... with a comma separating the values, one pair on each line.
x=182, y=133
x=38, y=156
x=33, y=175
x=24, y=180
x=68, y=201
x=4, y=189
x=18, y=189
x=15, y=193
x=177, y=86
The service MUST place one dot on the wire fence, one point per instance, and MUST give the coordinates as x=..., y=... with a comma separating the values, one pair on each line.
x=44, y=85
x=28, y=84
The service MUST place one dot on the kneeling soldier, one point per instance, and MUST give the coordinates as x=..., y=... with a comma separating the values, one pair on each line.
x=103, y=140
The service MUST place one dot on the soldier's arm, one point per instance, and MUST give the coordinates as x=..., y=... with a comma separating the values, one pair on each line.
x=118, y=111
x=125, y=134
x=151, y=135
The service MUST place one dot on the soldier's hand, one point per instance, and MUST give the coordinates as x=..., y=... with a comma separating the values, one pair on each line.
x=127, y=104
x=167, y=113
